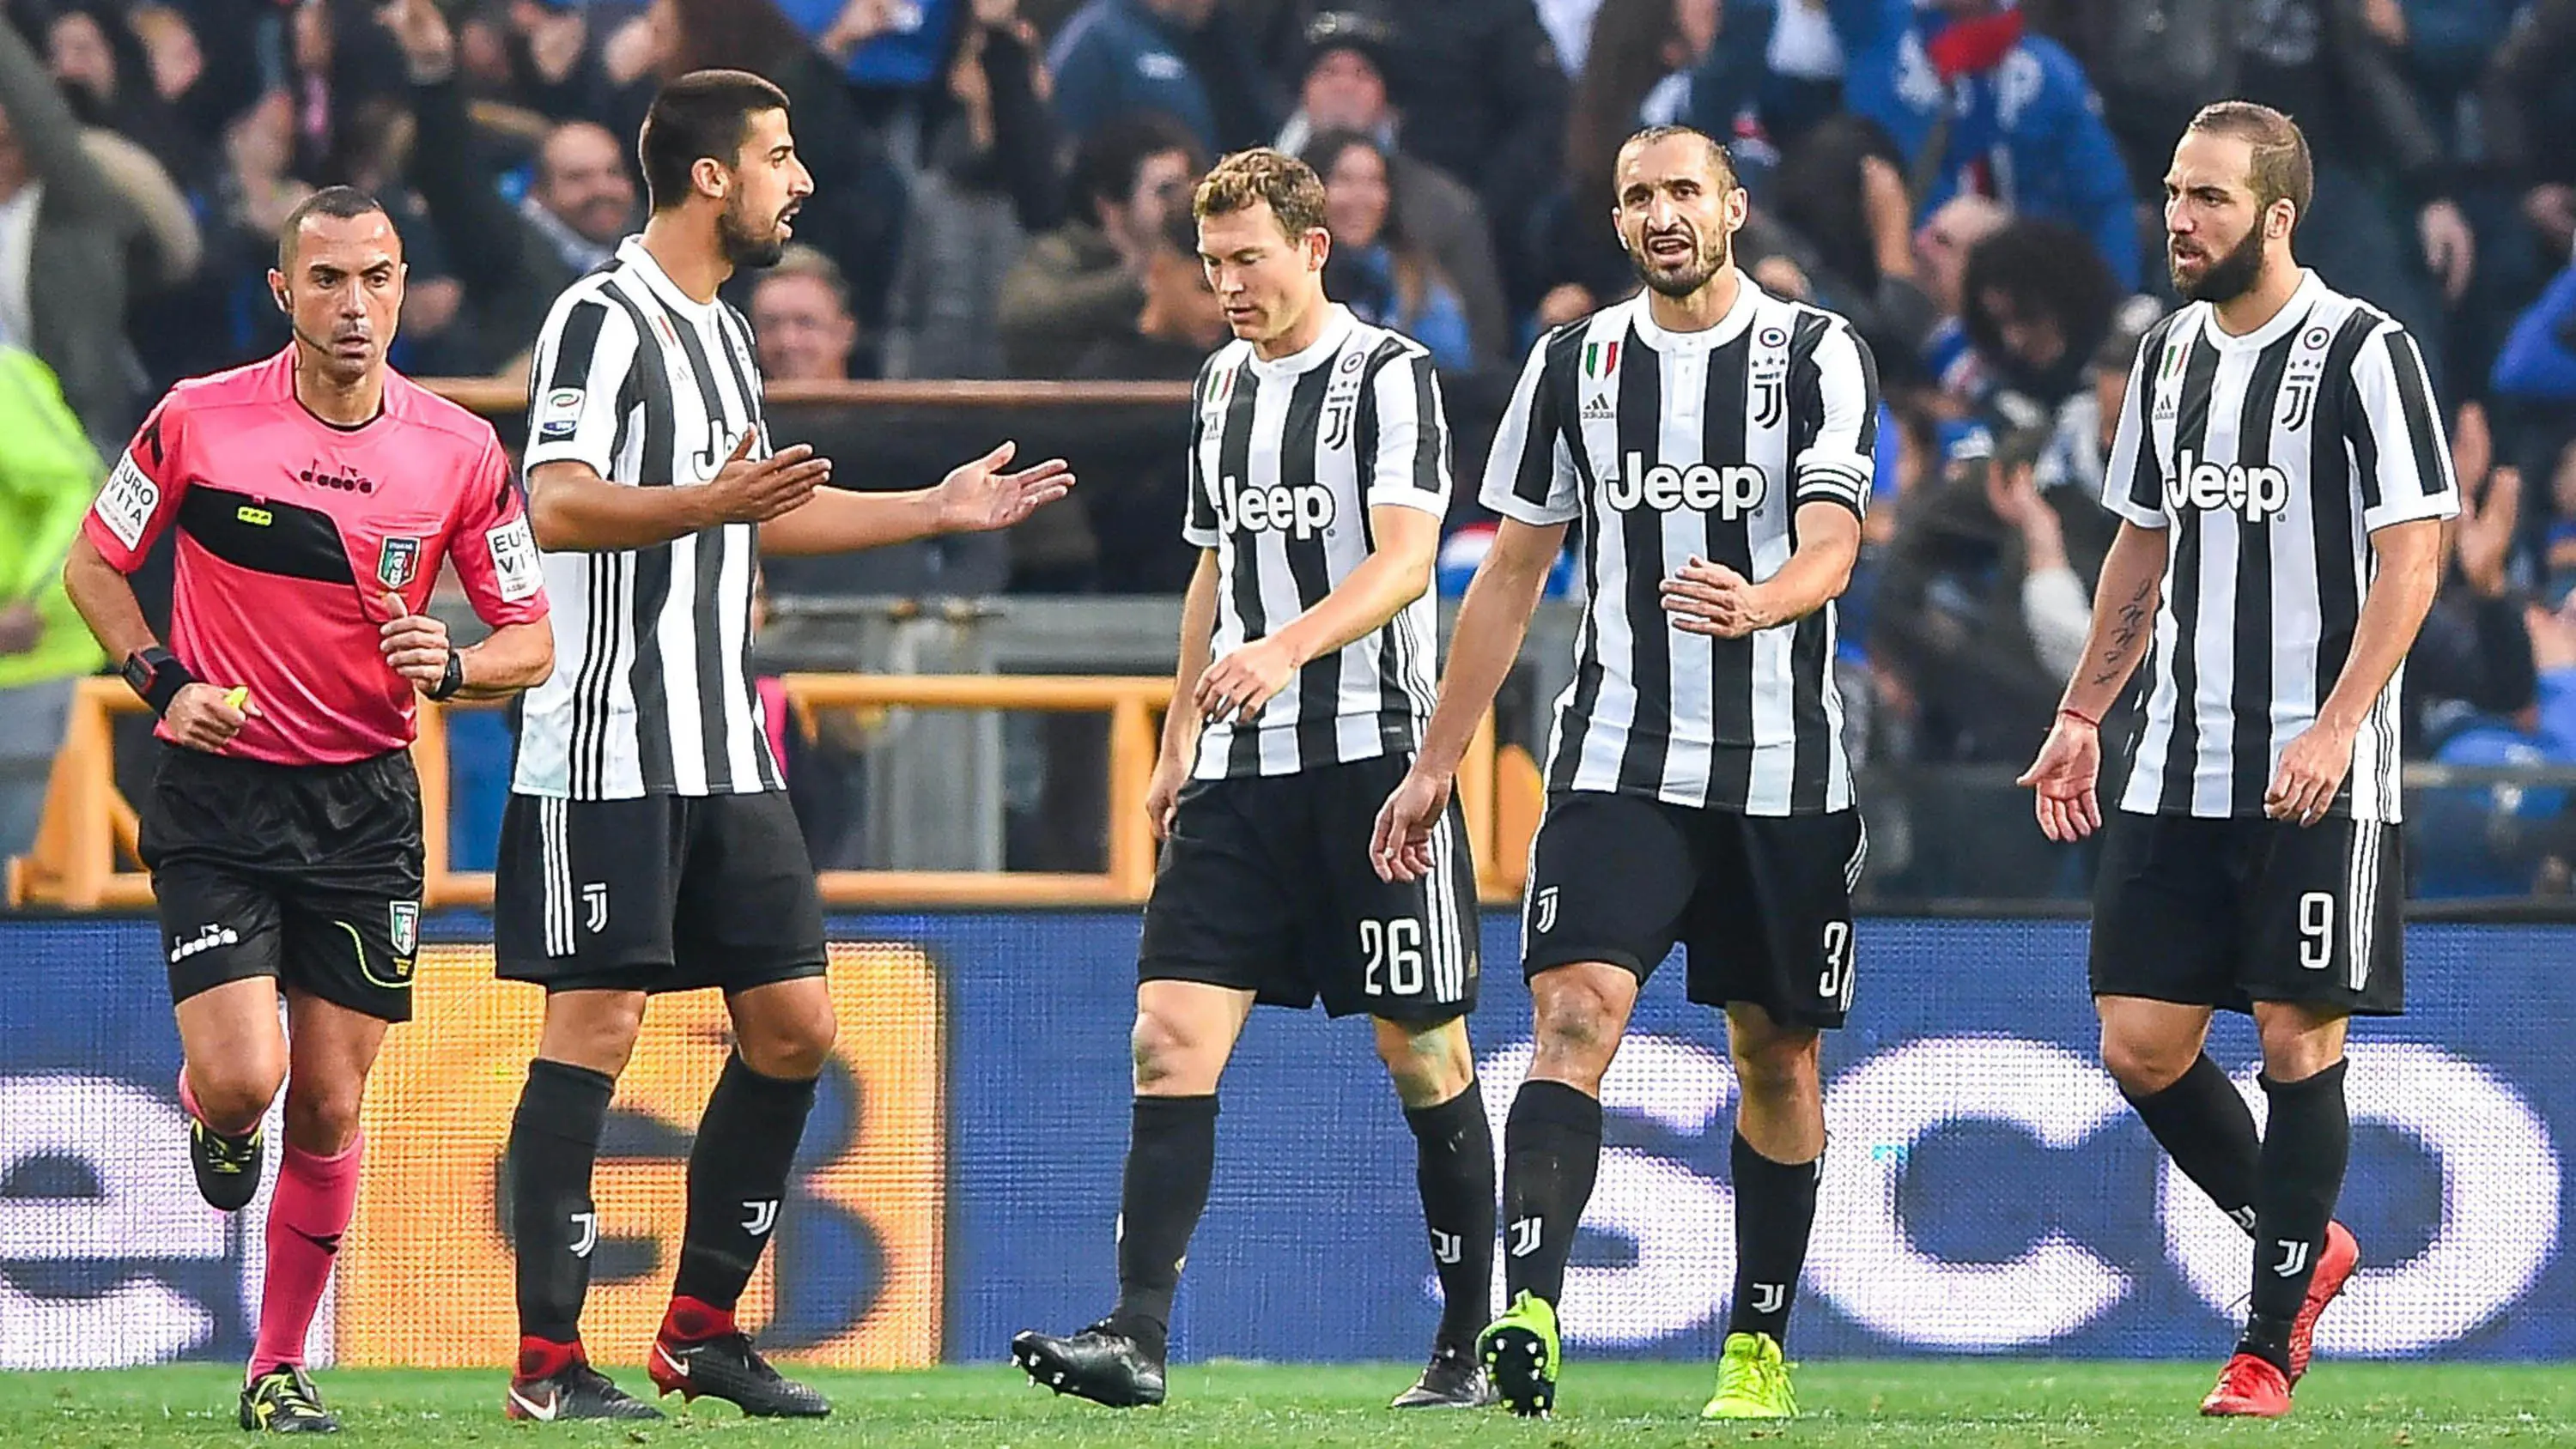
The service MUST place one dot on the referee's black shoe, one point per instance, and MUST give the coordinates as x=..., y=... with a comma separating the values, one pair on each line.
x=282, y=1401
x=727, y=1367
x=1100, y=1364
x=1452, y=1380
x=227, y=1167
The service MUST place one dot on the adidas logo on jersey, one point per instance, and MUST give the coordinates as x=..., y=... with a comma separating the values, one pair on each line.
x=2258, y=494
x=1729, y=492
x=1300, y=512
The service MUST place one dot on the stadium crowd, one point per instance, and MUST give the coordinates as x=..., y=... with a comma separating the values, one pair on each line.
x=1975, y=183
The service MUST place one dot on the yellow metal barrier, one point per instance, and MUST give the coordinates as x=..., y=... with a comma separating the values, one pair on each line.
x=84, y=857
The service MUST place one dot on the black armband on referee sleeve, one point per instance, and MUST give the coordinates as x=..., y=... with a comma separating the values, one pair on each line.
x=156, y=675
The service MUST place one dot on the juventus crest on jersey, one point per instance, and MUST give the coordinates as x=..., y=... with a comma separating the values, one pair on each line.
x=1673, y=444
x=1287, y=457
x=2271, y=458
x=652, y=691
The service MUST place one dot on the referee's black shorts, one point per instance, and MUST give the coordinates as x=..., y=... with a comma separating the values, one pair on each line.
x=309, y=874
x=659, y=893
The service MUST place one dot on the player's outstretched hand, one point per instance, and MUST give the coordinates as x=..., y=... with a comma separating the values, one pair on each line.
x=2312, y=770
x=978, y=497
x=414, y=644
x=1246, y=678
x=1712, y=599
x=749, y=490
x=2069, y=762
x=1163, y=796
x=199, y=718
x=1400, y=845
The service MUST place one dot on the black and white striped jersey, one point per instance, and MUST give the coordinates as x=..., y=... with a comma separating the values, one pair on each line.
x=1669, y=445
x=2271, y=458
x=1287, y=457
x=652, y=691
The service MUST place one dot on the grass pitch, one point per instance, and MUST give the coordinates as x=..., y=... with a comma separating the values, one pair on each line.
x=2002, y=1404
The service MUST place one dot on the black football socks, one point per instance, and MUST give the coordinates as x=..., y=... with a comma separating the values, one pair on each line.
x=1454, y=1167
x=1551, y=1153
x=2305, y=1147
x=738, y=1170
x=554, y=1139
x=1775, y=1208
x=1170, y=1156
x=2207, y=1129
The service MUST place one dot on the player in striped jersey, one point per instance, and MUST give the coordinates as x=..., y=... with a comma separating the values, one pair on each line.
x=1319, y=472
x=648, y=844
x=2281, y=477
x=1715, y=441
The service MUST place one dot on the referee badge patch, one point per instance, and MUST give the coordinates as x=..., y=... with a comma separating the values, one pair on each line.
x=397, y=561
x=403, y=926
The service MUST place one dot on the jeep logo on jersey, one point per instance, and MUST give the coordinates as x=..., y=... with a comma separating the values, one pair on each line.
x=397, y=561
x=1300, y=512
x=2258, y=493
x=1729, y=492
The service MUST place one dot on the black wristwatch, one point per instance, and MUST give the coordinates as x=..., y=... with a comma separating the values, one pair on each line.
x=156, y=675
x=453, y=680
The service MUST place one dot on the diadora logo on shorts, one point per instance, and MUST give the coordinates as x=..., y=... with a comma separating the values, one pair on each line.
x=206, y=939
x=1300, y=512
x=1730, y=492
x=2258, y=494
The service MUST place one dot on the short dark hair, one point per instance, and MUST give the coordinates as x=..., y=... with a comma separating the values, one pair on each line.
x=344, y=203
x=705, y=113
x=1107, y=163
x=2045, y=267
x=1717, y=152
x=1294, y=193
x=2282, y=169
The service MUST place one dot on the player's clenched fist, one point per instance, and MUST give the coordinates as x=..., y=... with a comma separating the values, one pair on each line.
x=749, y=490
x=1400, y=846
x=200, y=718
x=414, y=644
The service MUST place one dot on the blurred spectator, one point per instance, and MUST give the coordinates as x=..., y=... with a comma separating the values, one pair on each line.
x=2473, y=654
x=1187, y=59
x=1975, y=104
x=2560, y=561
x=1132, y=511
x=986, y=184
x=376, y=149
x=800, y=319
x=1981, y=617
x=2512, y=837
x=108, y=81
x=67, y=237
x=2038, y=304
x=2527, y=95
x=203, y=63
x=1841, y=194
x=1376, y=268
x=2538, y=360
x=513, y=262
x=889, y=45
x=1084, y=281
x=47, y=473
x=1345, y=88
x=1941, y=248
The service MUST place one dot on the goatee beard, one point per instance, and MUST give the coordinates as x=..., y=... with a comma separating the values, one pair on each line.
x=742, y=249
x=1683, y=284
x=2231, y=276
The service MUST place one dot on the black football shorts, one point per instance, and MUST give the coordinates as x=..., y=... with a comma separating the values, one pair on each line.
x=309, y=874
x=1265, y=886
x=1762, y=904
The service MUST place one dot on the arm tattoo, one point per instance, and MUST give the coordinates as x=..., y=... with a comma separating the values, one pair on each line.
x=2133, y=619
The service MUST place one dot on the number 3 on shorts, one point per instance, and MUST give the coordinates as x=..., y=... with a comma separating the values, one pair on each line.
x=1392, y=949
x=2316, y=930
x=1835, y=983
